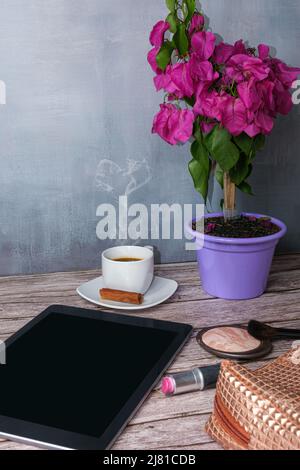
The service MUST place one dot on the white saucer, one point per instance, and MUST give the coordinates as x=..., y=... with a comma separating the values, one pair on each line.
x=160, y=290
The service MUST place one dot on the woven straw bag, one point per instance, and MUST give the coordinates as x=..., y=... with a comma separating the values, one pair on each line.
x=258, y=410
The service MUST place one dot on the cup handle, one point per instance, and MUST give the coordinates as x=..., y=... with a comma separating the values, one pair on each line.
x=150, y=247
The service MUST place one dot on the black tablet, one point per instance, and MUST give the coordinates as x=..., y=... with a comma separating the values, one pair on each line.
x=73, y=378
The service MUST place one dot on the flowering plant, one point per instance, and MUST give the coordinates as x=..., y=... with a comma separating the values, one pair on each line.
x=224, y=97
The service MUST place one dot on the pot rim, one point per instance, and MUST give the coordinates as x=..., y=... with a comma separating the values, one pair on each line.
x=238, y=241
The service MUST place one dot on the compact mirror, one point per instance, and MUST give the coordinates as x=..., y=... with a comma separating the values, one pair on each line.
x=233, y=342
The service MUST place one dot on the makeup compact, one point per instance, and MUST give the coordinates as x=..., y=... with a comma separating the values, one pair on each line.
x=233, y=342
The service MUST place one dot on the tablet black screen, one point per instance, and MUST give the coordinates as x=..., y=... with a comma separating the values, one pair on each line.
x=76, y=374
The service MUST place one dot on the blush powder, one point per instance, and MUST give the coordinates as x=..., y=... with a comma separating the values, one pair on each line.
x=230, y=340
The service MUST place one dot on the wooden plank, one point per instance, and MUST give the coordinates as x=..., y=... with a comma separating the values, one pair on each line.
x=281, y=263
x=199, y=446
x=60, y=287
x=199, y=313
x=10, y=445
x=165, y=434
x=286, y=262
x=159, y=408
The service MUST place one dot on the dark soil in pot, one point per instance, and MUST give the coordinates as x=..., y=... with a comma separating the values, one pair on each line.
x=240, y=227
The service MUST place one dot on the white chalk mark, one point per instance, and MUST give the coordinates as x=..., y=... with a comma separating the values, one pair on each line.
x=117, y=181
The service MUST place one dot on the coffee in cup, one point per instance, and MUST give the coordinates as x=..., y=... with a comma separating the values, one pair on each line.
x=128, y=268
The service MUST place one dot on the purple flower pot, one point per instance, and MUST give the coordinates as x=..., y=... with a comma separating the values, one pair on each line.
x=235, y=268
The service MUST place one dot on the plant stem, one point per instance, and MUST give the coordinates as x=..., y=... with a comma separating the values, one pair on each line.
x=229, y=198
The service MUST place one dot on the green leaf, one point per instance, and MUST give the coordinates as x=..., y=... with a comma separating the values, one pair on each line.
x=219, y=175
x=191, y=6
x=200, y=178
x=181, y=40
x=163, y=58
x=171, y=5
x=172, y=20
x=200, y=167
x=244, y=142
x=222, y=149
x=259, y=142
x=199, y=152
x=190, y=101
x=246, y=188
x=197, y=133
x=240, y=171
x=185, y=11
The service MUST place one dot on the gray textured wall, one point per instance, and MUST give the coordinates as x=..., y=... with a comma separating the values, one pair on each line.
x=79, y=91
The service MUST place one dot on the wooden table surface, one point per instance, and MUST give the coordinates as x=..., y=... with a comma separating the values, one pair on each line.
x=164, y=423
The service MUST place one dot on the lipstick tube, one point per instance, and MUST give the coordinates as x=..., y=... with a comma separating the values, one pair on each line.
x=202, y=378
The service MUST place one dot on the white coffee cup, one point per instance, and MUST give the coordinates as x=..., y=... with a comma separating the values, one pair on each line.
x=132, y=276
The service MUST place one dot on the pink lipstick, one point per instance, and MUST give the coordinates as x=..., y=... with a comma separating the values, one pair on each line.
x=194, y=380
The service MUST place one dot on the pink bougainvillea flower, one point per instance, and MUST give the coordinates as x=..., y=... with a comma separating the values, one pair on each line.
x=249, y=95
x=197, y=23
x=281, y=71
x=223, y=52
x=239, y=47
x=282, y=98
x=173, y=125
x=263, y=51
x=181, y=77
x=158, y=33
x=264, y=121
x=242, y=66
x=176, y=80
x=228, y=83
x=163, y=81
x=252, y=130
x=152, y=60
x=265, y=89
x=234, y=115
x=207, y=103
x=203, y=44
x=202, y=71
